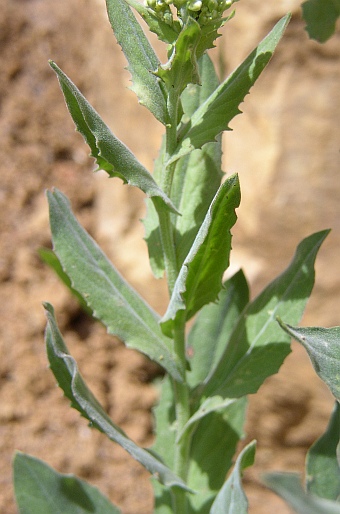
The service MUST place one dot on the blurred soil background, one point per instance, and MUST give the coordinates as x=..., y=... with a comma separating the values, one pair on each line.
x=286, y=148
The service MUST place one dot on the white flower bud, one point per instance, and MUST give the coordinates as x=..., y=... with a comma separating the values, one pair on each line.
x=195, y=5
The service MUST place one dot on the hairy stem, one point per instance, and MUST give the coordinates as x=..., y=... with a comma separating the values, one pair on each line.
x=182, y=447
x=180, y=389
x=165, y=222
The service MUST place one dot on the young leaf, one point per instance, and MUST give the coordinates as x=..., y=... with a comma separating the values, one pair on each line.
x=39, y=489
x=75, y=389
x=140, y=56
x=112, y=300
x=231, y=499
x=287, y=485
x=182, y=67
x=256, y=348
x=323, y=348
x=321, y=17
x=165, y=32
x=199, y=279
x=110, y=153
x=215, y=114
x=213, y=326
x=322, y=463
x=209, y=33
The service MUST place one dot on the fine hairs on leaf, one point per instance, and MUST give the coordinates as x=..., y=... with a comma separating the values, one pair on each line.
x=214, y=344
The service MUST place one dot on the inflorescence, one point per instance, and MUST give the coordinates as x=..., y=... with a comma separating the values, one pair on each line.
x=203, y=11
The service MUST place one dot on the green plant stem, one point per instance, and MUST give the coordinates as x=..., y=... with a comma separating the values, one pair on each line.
x=167, y=238
x=182, y=447
x=165, y=223
x=181, y=389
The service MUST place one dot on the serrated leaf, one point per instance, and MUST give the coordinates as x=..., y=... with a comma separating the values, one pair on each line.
x=287, y=485
x=231, y=499
x=321, y=17
x=182, y=67
x=209, y=33
x=197, y=178
x=215, y=114
x=140, y=56
x=164, y=32
x=39, y=489
x=200, y=277
x=198, y=175
x=256, y=348
x=213, y=327
x=66, y=372
x=323, y=348
x=110, y=153
x=322, y=462
x=112, y=300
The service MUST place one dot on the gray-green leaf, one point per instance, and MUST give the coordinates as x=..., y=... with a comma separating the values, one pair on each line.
x=110, y=153
x=213, y=326
x=182, y=67
x=65, y=370
x=322, y=463
x=287, y=485
x=112, y=300
x=196, y=180
x=321, y=17
x=39, y=489
x=256, y=348
x=200, y=277
x=215, y=114
x=212, y=450
x=323, y=348
x=140, y=56
x=231, y=499
x=49, y=257
x=165, y=32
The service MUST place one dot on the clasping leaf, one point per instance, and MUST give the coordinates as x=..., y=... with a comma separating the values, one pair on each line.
x=200, y=277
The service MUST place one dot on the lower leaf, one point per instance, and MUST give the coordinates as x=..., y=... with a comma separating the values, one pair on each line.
x=322, y=463
x=231, y=499
x=213, y=447
x=323, y=348
x=287, y=485
x=39, y=489
x=71, y=382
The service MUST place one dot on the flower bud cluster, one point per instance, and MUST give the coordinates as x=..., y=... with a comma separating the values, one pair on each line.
x=203, y=11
